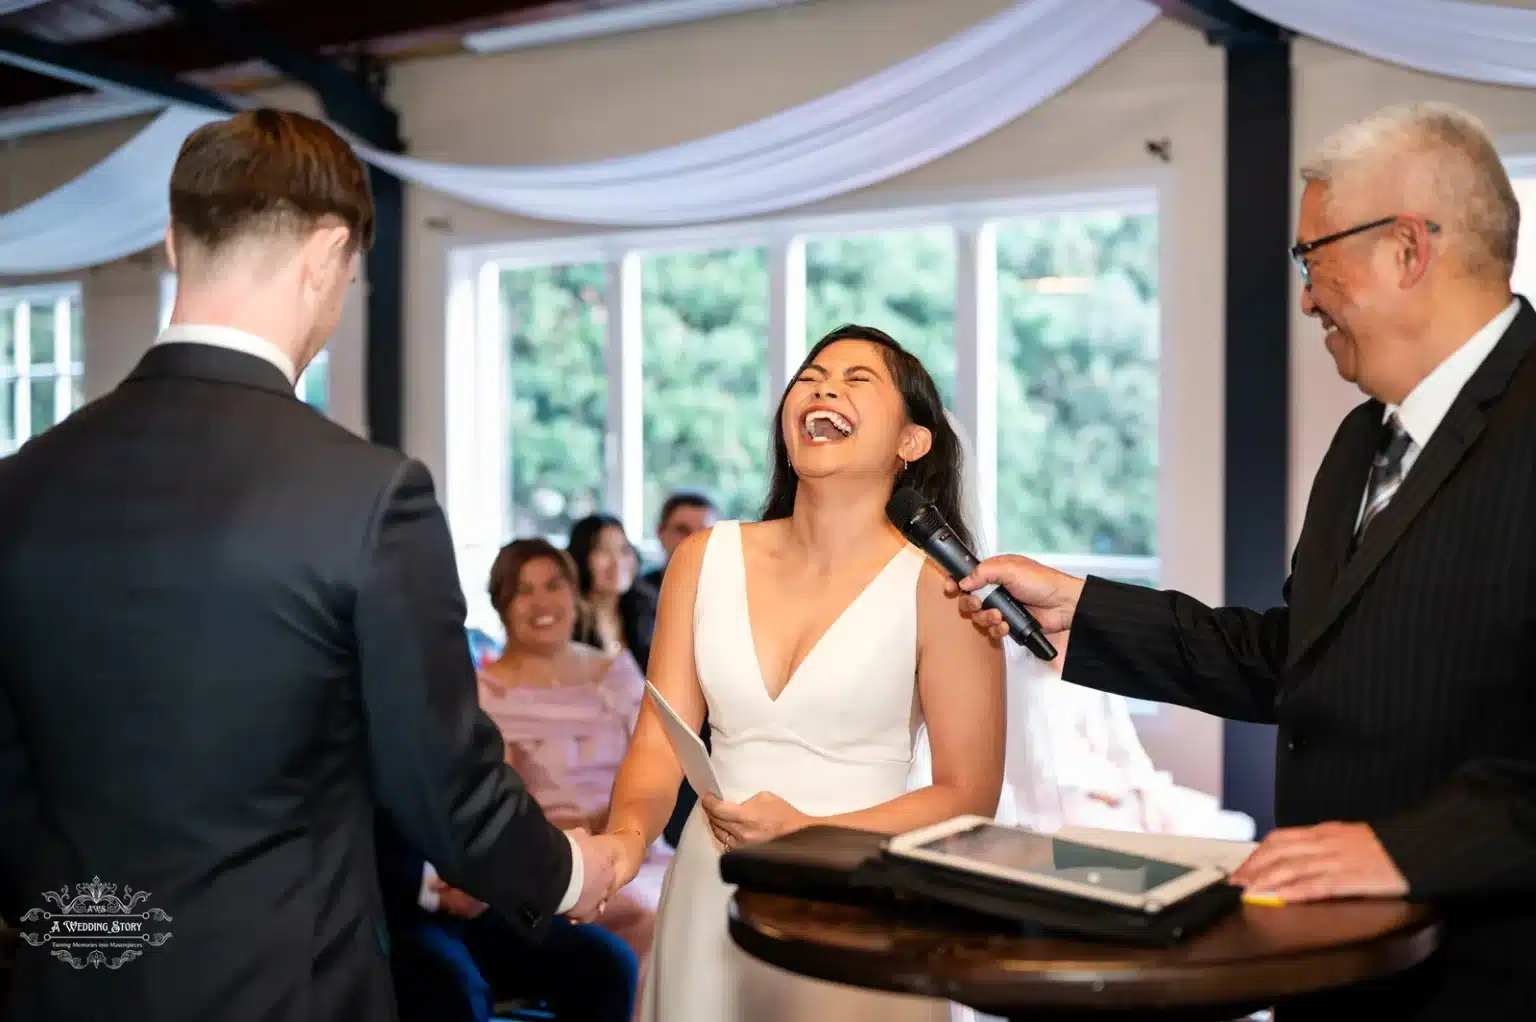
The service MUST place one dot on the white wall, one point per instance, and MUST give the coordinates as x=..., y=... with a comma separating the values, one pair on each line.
x=612, y=96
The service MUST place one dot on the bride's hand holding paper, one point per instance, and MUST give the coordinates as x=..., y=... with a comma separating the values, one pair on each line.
x=762, y=817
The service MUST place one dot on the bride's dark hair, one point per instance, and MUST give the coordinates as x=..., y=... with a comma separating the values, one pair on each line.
x=936, y=475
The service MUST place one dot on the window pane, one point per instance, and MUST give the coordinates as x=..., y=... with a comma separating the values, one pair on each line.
x=77, y=391
x=556, y=320
x=7, y=337
x=1524, y=278
x=42, y=332
x=1078, y=384
x=902, y=282
x=315, y=382
x=705, y=369
x=43, y=414
x=76, y=330
x=167, y=298
x=8, y=415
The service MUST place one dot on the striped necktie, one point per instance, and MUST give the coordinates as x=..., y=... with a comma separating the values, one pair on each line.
x=1386, y=472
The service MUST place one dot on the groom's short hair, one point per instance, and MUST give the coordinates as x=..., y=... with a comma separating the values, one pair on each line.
x=267, y=173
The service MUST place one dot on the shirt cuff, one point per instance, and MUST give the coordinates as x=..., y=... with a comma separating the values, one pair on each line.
x=578, y=877
x=427, y=899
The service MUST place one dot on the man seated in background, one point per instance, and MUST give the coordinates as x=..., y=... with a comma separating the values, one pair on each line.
x=453, y=958
x=682, y=514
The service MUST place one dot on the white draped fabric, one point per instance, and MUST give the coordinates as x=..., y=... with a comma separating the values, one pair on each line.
x=117, y=208
x=900, y=119
x=1479, y=42
x=897, y=120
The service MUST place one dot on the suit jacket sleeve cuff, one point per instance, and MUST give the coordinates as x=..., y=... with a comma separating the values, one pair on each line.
x=578, y=877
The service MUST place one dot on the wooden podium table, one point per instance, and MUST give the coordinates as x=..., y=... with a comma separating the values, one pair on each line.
x=1244, y=963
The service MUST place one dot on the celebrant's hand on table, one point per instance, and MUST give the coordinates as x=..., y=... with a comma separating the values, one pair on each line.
x=1330, y=860
x=762, y=817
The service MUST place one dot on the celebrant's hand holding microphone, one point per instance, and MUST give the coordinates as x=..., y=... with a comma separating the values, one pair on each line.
x=1047, y=595
x=997, y=608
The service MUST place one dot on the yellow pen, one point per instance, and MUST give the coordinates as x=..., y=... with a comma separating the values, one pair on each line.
x=1266, y=900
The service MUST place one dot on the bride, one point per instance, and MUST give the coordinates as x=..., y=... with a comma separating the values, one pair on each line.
x=819, y=640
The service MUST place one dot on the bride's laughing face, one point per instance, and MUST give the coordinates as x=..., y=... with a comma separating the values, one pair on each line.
x=844, y=412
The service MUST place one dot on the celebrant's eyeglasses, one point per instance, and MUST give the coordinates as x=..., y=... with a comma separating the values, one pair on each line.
x=1300, y=251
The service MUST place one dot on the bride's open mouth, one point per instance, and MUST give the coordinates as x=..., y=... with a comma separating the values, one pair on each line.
x=825, y=426
x=543, y=620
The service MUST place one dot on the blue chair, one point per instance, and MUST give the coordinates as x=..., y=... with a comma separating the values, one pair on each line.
x=482, y=648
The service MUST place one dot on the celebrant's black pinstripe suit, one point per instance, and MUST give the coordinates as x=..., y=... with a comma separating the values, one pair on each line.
x=1402, y=677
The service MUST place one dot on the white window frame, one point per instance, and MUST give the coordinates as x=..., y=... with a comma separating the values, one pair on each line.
x=18, y=303
x=168, y=303
x=1522, y=168
x=477, y=483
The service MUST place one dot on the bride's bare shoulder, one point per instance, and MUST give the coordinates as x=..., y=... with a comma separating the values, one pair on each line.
x=686, y=562
x=763, y=536
x=932, y=590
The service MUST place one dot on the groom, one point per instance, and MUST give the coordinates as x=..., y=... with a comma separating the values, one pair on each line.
x=231, y=628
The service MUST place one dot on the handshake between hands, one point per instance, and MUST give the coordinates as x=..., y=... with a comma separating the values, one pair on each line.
x=611, y=860
x=1291, y=864
x=608, y=863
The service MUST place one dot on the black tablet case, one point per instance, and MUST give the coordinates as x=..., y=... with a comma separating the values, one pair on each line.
x=851, y=867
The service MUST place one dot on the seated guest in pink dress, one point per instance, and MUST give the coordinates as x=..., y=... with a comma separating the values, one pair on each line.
x=566, y=711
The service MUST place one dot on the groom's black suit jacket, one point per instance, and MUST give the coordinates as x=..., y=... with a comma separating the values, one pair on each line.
x=1402, y=678
x=230, y=628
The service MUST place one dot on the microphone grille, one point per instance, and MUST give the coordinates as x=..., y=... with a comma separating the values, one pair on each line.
x=903, y=506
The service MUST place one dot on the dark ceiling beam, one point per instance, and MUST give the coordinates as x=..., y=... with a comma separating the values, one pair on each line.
x=340, y=88
x=79, y=67
x=1223, y=22
x=308, y=26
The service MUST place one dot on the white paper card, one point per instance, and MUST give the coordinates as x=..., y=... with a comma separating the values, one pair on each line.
x=1188, y=851
x=688, y=746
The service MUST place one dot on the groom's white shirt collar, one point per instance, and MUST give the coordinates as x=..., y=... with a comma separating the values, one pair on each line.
x=234, y=340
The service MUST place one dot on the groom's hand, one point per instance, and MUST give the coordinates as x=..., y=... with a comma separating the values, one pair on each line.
x=1050, y=595
x=599, y=858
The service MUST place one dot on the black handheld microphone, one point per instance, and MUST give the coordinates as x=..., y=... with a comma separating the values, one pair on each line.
x=925, y=527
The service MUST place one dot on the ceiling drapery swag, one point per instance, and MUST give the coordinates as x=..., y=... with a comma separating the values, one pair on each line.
x=902, y=118
x=1478, y=42
x=892, y=122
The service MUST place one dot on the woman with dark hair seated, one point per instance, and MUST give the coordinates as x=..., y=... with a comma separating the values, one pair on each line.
x=618, y=610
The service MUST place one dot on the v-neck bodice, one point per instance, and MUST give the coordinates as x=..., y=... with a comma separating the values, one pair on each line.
x=839, y=735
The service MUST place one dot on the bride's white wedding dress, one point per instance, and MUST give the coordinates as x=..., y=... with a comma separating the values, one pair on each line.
x=839, y=738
